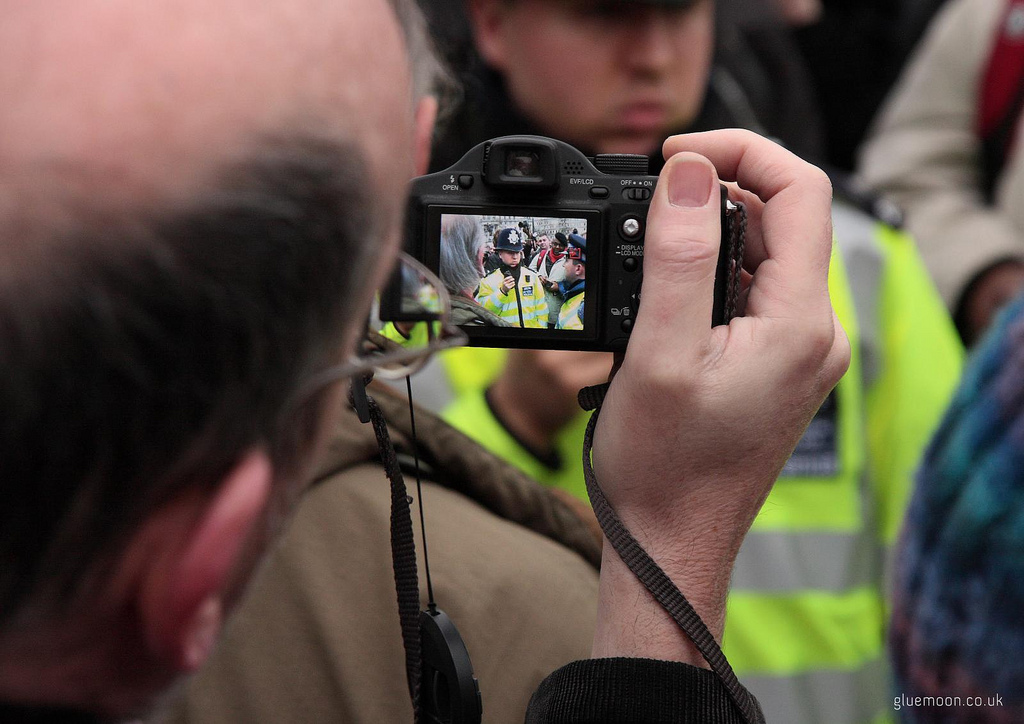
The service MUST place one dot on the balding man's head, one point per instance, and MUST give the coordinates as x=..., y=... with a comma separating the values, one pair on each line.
x=192, y=193
x=151, y=97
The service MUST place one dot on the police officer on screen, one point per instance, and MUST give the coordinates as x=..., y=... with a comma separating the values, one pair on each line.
x=513, y=293
x=573, y=287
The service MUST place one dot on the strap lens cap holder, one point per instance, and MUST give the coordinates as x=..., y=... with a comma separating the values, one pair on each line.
x=449, y=692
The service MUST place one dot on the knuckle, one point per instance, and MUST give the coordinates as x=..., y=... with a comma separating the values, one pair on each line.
x=819, y=180
x=681, y=249
x=665, y=371
x=827, y=234
x=662, y=381
x=747, y=137
x=817, y=342
x=838, y=361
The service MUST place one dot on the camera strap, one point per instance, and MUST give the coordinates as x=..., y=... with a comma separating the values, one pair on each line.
x=403, y=545
x=438, y=669
x=647, y=571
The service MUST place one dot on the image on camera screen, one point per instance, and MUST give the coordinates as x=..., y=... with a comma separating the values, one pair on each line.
x=522, y=272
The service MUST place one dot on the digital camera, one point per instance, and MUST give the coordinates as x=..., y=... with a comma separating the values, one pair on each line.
x=540, y=246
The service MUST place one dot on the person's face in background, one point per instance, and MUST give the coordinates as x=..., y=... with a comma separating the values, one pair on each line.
x=607, y=75
x=558, y=247
x=510, y=258
x=574, y=271
x=543, y=242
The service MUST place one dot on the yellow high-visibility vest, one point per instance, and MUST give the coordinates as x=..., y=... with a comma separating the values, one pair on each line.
x=571, y=314
x=524, y=305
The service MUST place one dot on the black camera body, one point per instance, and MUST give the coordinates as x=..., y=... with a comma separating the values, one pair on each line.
x=523, y=190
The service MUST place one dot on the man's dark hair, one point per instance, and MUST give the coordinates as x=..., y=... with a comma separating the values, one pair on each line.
x=141, y=358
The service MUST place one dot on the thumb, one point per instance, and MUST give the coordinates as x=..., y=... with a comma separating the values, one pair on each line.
x=680, y=258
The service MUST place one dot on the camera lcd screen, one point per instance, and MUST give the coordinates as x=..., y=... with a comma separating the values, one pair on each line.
x=524, y=273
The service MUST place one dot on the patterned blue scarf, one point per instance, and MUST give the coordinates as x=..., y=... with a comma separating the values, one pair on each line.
x=958, y=617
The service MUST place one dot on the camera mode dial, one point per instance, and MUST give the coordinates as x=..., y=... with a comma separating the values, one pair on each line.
x=622, y=164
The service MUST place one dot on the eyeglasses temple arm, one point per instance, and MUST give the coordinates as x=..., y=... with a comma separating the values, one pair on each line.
x=359, y=398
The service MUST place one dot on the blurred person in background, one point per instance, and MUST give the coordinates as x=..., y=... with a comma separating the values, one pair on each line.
x=529, y=242
x=815, y=561
x=626, y=95
x=957, y=632
x=550, y=267
x=852, y=53
x=944, y=148
x=543, y=244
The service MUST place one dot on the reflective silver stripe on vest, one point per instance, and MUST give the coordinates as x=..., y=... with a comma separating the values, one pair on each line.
x=864, y=259
x=825, y=697
x=775, y=562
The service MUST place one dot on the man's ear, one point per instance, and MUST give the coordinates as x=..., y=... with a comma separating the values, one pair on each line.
x=426, y=115
x=488, y=20
x=180, y=598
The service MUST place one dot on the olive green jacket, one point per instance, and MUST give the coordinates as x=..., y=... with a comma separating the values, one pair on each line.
x=317, y=637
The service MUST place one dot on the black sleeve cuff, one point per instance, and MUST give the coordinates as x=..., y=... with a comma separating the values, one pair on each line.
x=631, y=690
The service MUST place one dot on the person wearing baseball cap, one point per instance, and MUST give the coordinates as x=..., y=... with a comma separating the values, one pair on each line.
x=511, y=292
x=572, y=288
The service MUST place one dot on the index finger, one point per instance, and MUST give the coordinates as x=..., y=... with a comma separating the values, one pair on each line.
x=796, y=221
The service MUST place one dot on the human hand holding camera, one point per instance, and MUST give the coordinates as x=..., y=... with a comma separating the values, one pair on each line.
x=698, y=421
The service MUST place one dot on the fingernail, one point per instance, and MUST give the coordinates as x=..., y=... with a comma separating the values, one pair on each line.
x=689, y=184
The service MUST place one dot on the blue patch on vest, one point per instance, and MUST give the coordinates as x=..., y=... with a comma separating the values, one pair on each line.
x=528, y=291
x=817, y=453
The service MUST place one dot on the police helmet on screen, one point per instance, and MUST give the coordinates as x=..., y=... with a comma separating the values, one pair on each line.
x=509, y=239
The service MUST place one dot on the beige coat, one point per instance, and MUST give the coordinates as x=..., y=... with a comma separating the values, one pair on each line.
x=317, y=637
x=925, y=154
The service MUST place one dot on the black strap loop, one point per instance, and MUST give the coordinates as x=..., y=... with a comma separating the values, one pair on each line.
x=647, y=571
x=403, y=551
x=655, y=580
x=590, y=398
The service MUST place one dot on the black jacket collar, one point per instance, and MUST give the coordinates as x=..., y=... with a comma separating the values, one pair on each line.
x=18, y=714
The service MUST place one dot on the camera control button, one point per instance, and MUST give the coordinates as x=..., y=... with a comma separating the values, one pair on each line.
x=465, y=181
x=631, y=263
x=598, y=192
x=627, y=325
x=631, y=228
x=635, y=193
